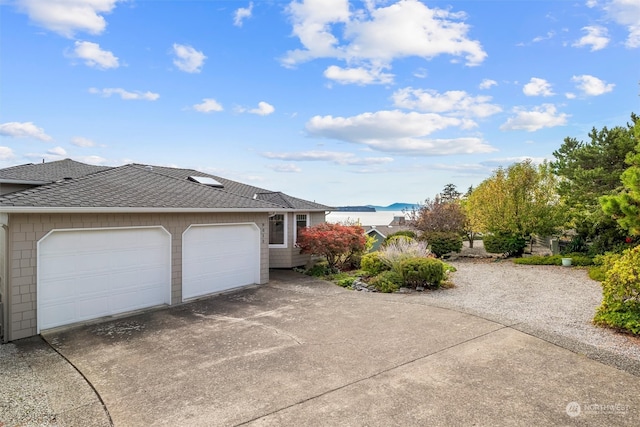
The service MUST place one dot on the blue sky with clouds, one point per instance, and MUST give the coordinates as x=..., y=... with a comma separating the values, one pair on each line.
x=340, y=102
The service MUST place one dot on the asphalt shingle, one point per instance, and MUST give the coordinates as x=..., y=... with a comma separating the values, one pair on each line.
x=137, y=186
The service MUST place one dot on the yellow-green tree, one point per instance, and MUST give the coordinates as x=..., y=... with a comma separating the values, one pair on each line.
x=519, y=200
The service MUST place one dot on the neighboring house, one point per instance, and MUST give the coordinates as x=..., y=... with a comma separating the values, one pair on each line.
x=381, y=232
x=80, y=242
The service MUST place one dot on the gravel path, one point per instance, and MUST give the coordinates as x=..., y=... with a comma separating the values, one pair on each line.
x=551, y=302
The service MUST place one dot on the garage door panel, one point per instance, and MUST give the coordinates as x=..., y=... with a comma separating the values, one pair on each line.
x=219, y=257
x=86, y=274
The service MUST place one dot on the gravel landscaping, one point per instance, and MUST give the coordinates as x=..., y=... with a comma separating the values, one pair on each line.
x=554, y=303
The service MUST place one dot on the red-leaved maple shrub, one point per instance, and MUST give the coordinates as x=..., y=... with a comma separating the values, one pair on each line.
x=336, y=242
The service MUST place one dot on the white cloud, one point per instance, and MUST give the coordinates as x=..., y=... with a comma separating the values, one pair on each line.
x=548, y=36
x=264, y=109
x=241, y=14
x=597, y=37
x=285, y=168
x=23, y=130
x=487, y=84
x=94, y=56
x=93, y=160
x=570, y=95
x=456, y=102
x=592, y=86
x=357, y=75
x=6, y=153
x=397, y=132
x=543, y=116
x=187, y=58
x=80, y=141
x=506, y=161
x=372, y=38
x=337, y=157
x=626, y=13
x=57, y=151
x=124, y=94
x=208, y=105
x=537, y=87
x=66, y=17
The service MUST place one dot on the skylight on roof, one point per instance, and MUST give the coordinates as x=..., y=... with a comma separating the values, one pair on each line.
x=206, y=180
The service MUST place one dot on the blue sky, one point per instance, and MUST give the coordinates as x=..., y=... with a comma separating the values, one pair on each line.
x=339, y=102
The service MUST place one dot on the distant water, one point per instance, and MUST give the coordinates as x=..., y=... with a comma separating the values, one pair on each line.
x=364, y=218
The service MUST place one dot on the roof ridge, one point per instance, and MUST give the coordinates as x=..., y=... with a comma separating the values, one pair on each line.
x=142, y=166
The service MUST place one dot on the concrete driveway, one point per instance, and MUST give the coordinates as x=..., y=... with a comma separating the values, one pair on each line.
x=304, y=352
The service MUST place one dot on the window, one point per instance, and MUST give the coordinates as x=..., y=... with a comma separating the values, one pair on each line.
x=277, y=230
x=302, y=221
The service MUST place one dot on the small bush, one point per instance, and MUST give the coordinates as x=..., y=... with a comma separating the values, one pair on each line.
x=373, y=264
x=387, y=281
x=407, y=233
x=428, y=272
x=320, y=269
x=391, y=240
x=394, y=253
x=501, y=243
x=620, y=306
x=602, y=264
x=346, y=282
x=576, y=245
x=442, y=243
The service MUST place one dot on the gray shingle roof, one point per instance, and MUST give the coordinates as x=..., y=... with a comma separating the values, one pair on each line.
x=276, y=197
x=137, y=186
x=49, y=172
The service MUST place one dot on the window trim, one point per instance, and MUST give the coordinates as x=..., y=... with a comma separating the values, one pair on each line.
x=295, y=224
x=285, y=226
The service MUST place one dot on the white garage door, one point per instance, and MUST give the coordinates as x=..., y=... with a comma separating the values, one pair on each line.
x=219, y=257
x=86, y=274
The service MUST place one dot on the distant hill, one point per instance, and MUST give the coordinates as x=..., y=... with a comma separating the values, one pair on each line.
x=395, y=207
x=398, y=207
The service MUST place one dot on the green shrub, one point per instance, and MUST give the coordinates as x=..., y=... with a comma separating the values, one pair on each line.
x=428, y=272
x=406, y=233
x=620, y=306
x=373, y=264
x=320, y=269
x=387, y=281
x=345, y=282
x=539, y=260
x=394, y=239
x=579, y=260
x=442, y=243
x=602, y=264
x=502, y=243
x=395, y=252
x=576, y=245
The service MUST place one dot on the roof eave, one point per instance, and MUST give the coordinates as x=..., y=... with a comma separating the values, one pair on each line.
x=23, y=181
x=52, y=209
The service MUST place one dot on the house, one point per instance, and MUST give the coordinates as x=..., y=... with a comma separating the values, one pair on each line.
x=381, y=232
x=80, y=242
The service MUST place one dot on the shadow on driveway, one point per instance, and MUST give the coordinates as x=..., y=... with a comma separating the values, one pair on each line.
x=300, y=351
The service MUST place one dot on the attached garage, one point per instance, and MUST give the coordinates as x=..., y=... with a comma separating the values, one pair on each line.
x=85, y=274
x=219, y=257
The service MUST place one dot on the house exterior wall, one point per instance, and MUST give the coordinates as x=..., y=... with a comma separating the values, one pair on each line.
x=25, y=230
x=290, y=256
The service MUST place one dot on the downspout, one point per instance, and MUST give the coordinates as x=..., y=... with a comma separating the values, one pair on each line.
x=4, y=288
